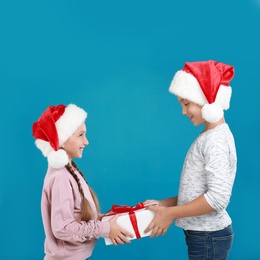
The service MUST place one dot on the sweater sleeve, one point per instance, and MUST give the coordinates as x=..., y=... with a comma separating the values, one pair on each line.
x=64, y=218
x=219, y=176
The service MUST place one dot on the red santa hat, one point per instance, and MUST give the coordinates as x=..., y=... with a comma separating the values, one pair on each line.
x=205, y=83
x=53, y=129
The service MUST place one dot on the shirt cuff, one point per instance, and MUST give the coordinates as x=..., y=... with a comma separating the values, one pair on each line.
x=105, y=229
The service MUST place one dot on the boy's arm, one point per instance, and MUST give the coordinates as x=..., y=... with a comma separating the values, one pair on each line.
x=169, y=202
x=165, y=216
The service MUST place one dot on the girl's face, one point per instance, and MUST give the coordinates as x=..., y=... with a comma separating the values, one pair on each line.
x=76, y=143
x=192, y=111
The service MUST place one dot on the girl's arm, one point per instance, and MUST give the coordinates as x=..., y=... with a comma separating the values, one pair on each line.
x=65, y=223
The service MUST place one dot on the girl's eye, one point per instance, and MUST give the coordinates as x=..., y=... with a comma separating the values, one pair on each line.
x=186, y=104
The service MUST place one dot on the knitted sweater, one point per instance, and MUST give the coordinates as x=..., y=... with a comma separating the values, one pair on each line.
x=67, y=238
x=209, y=168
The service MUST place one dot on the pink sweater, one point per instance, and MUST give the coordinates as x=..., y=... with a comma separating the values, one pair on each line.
x=67, y=238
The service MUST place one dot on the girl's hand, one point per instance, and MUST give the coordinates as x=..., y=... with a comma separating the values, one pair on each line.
x=117, y=234
x=151, y=201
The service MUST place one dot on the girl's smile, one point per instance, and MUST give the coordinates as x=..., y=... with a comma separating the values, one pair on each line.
x=75, y=145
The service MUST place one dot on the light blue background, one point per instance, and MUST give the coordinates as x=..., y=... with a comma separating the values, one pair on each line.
x=116, y=59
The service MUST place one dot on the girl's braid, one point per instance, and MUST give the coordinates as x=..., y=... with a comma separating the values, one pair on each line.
x=76, y=167
x=71, y=170
x=93, y=194
x=86, y=210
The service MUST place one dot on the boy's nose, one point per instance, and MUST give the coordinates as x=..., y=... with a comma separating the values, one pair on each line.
x=86, y=142
x=184, y=111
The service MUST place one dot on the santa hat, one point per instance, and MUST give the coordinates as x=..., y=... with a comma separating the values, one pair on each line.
x=205, y=83
x=53, y=129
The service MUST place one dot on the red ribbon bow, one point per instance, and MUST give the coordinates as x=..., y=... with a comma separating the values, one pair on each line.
x=117, y=209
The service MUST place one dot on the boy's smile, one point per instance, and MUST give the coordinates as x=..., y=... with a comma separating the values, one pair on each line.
x=192, y=111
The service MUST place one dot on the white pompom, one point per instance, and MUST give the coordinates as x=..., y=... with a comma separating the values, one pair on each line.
x=212, y=112
x=58, y=159
x=44, y=146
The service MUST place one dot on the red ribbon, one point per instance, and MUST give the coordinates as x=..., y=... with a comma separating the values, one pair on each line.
x=117, y=209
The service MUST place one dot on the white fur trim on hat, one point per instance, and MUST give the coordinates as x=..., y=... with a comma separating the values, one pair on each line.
x=58, y=159
x=186, y=86
x=212, y=112
x=69, y=122
x=43, y=146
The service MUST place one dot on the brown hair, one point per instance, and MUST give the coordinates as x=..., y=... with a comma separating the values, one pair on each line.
x=86, y=210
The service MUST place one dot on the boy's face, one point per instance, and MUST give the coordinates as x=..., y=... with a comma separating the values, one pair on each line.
x=192, y=111
x=76, y=143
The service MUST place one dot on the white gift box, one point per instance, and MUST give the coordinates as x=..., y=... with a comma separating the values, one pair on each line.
x=143, y=217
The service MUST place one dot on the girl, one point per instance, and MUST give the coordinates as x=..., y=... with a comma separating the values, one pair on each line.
x=209, y=170
x=70, y=208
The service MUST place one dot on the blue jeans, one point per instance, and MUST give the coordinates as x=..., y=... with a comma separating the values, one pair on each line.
x=209, y=245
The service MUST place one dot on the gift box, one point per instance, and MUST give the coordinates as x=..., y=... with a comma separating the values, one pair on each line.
x=134, y=219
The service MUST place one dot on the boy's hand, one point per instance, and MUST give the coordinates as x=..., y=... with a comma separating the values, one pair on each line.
x=161, y=222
